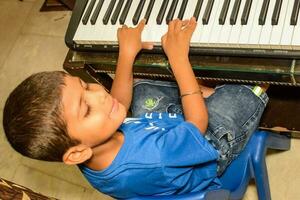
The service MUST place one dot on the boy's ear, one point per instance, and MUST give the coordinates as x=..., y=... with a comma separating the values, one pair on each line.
x=77, y=154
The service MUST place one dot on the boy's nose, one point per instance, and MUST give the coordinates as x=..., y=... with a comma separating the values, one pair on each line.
x=95, y=97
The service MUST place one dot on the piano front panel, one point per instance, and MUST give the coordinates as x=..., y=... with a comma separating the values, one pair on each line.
x=259, y=24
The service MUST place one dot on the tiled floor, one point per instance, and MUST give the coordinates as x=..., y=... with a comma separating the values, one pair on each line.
x=31, y=41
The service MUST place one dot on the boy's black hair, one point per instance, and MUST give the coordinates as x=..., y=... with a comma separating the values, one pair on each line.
x=32, y=117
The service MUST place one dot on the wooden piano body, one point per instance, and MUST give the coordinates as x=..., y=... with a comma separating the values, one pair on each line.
x=283, y=75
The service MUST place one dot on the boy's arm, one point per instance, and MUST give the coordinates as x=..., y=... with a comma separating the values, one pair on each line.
x=176, y=46
x=129, y=46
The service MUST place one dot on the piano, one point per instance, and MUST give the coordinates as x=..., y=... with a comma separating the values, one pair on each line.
x=236, y=41
x=266, y=28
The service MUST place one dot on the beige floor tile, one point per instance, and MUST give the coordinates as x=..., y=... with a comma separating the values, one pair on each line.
x=92, y=194
x=46, y=23
x=9, y=162
x=251, y=193
x=283, y=174
x=31, y=54
x=13, y=14
x=59, y=170
x=47, y=185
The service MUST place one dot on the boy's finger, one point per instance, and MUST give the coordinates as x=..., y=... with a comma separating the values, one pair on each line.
x=191, y=26
x=171, y=26
x=141, y=25
x=185, y=22
x=163, y=38
x=147, y=45
x=178, y=25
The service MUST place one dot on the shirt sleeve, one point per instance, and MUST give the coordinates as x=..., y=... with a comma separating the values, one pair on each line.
x=185, y=146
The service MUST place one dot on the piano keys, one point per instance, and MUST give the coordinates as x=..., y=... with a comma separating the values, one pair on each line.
x=224, y=27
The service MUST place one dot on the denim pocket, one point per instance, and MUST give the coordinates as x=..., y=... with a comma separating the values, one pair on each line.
x=220, y=138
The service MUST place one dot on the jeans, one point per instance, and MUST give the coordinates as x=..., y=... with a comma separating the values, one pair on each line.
x=234, y=112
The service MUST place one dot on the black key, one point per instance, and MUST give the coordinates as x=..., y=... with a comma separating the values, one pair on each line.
x=246, y=12
x=117, y=11
x=276, y=12
x=149, y=10
x=209, y=6
x=171, y=12
x=263, y=12
x=137, y=14
x=162, y=12
x=109, y=11
x=235, y=12
x=88, y=12
x=224, y=11
x=125, y=12
x=96, y=12
x=295, y=13
x=182, y=9
x=198, y=9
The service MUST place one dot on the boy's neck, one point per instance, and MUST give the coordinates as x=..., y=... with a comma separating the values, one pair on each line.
x=104, y=154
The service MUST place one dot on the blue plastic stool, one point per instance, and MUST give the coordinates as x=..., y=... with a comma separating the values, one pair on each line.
x=249, y=164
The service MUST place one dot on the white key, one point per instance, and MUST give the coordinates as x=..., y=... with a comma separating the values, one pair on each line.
x=132, y=9
x=264, y=40
x=95, y=35
x=177, y=9
x=278, y=29
x=215, y=31
x=296, y=35
x=148, y=32
x=226, y=29
x=195, y=40
x=189, y=10
x=287, y=34
x=82, y=30
x=246, y=29
x=160, y=30
x=253, y=41
x=144, y=11
x=110, y=33
x=207, y=29
x=236, y=29
x=145, y=33
x=106, y=33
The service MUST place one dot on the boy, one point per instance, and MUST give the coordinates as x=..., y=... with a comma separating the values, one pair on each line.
x=56, y=117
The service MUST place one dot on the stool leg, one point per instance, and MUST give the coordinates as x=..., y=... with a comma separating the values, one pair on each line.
x=262, y=180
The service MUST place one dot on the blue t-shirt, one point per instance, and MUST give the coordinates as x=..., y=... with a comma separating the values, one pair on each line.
x=161, y=155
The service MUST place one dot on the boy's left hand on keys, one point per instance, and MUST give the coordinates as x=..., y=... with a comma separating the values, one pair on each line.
x=176, y=41
x=130, y=42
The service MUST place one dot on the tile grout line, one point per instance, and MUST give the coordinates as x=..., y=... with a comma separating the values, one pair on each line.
x=18, y=35
x=51, y=175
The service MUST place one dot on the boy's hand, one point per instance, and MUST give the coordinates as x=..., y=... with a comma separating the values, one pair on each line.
x=130, y=42
x=176, y=41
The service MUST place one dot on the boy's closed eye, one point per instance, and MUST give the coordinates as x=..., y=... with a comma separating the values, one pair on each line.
x=88, y=111
x=87, y=108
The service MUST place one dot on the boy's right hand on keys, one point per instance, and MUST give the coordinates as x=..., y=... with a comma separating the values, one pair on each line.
x=176, y=41
x=130, y=42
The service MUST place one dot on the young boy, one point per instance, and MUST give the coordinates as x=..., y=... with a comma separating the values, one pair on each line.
x=56, y=117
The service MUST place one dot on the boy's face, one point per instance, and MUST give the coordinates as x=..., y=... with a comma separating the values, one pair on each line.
x=91, y=113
